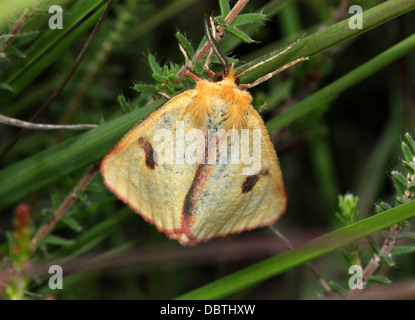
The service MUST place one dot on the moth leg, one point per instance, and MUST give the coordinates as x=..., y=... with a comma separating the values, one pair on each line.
x=271, y=74
x=273, y=57
x=164, y=95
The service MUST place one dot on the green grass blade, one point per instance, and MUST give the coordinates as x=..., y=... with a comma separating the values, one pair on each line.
x=307, y=252
x=326, y=38
x=331, y=91
x=45, y=167
x=49, y=46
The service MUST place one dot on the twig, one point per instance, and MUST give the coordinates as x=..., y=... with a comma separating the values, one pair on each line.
x=81, y=54
x=374, y=263
x=66, y=204
x=9, y=272
x=313, y=270
x=40, y=126
x=27, y=13
x=237, y=8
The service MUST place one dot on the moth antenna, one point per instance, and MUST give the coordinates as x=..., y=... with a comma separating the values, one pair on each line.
x=288, y=47
x=221, y=56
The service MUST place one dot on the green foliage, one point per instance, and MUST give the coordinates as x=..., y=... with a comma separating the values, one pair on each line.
x=324, y=140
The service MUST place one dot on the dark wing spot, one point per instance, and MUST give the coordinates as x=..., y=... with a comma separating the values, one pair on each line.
x=148, y=149
x=251, y=181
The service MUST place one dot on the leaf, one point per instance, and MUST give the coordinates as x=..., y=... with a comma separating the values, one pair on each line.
x=224, y=7
x=406, y=236
x=406, y=152
x=4, y=38
x=185, y=44
x=123, y=104
x=155, y=67
x=408, y=167
x=410, y=141
x=5, y=86
x=383, y=206
x=248, y=18
x=402, y=250
x=15, y=52
x=220, y=21
x=399, y=181
x=145, y=88
x=388, y=260
x=58, y=241
x=71, y=223
x=25, y=37
x=337, y=288
x=239, y=34
x=379, y=279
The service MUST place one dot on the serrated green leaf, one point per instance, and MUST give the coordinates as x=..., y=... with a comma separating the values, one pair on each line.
x=71, y=223
x=158, y=78
x=55, y=240
x=388, y=260
x=408, y=167
x=155, y=67
x=169, y=86
x=187, y=46
x=25, y=37
x=248, y=18
x=379, y=279
x=123, y=104
x=385, y=206
x=406, y=152
x=399, y=181
x=239, y=34
x=402, y=250
x=410, y=141
x=220, y=21
x=224, y=7
x=145, y=88
x=411, y=188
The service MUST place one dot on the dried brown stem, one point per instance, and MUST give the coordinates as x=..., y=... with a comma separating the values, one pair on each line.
x=65, y=80
x=66, y=204
x=374, y=263
x=40, y=126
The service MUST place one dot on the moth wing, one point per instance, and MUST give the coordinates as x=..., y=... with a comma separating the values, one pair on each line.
x=233, y=202
x=155, y=191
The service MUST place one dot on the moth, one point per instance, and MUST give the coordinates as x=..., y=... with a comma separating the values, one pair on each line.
x=177, y=168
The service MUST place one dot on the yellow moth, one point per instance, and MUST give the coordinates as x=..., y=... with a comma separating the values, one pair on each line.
x=178, y=168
